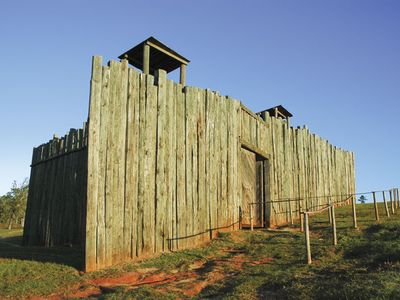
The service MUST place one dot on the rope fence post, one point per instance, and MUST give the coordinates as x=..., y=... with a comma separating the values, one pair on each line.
x=307, y=236
x=353, y=204
x=398, y=198
x=301, y=217
x=385, y=203
x=329, y=210
x=332, y=210
x=251, y=217
x=376, y=207
x=240, y=218
x=391, y=200
x=290, y=213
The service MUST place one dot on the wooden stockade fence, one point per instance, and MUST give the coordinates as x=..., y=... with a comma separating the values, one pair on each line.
x=166, y=168
x=56, y=207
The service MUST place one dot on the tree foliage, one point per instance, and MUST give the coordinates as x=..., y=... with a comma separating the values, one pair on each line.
x=13, y=204
x=362, y=199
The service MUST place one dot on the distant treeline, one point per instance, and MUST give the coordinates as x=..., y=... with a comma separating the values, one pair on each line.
x=13, y=205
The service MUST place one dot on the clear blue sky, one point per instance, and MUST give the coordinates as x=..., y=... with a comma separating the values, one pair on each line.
x=334, y=64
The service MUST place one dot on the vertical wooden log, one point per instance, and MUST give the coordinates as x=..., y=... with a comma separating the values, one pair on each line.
x=124, y=210
x=142, y=134
x=202, y=160
x=132, y=157
x=376, y=207
x=189, y=217
x=93, y=148
x=353, y=204
x=146, y=59
x=150, y=158
x=333, y=225
x=385, y=203
x=180, y=167
x=307, y=236
x=171, y=227
x=182, y=77
x=162, y=160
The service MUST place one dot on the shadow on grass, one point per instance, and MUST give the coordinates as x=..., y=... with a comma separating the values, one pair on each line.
x=379, y=244
x=10, y=248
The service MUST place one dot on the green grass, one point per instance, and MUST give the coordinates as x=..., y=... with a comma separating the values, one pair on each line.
x=29, y=271
x=5, y=233
x=364, y=265
x=20, y=278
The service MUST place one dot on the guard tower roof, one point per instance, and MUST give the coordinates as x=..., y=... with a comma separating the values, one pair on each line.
x=277, y=111
x=161, y=56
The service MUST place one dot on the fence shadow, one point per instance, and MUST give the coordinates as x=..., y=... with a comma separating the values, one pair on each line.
x=10, y=248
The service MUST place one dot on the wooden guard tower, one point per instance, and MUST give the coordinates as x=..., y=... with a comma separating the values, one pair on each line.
x=152, y=55
x=278, y=112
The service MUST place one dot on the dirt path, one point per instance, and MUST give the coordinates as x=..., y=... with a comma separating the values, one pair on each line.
x=200, y=274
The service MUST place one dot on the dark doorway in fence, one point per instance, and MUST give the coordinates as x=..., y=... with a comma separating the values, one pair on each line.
x=255, y=189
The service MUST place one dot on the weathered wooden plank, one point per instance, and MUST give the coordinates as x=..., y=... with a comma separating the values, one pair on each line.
x=248, y=176
x=104, y=126
x=207, y=192
x=180, y=167
x=189, y=218
x=171, y=224
x=132, y=161
x=211, y=166
x=124, y=212
x=94, y=118
x=162, y=161
x=224, y=162
x=231, y=161
x=235, y=162
x=218, y=130
x=115, y=195
x=141, y=166
x=110, y=190
x=201, y=141
x=150, y=165
x=195, y=166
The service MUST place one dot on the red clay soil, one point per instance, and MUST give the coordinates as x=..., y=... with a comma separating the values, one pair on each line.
x=261, y=262
x=86, y=293
x=190, y=283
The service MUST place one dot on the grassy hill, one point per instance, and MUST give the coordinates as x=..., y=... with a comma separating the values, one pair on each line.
x=251, y=265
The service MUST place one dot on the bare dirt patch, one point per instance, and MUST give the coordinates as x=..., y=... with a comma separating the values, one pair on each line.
x=199, y=275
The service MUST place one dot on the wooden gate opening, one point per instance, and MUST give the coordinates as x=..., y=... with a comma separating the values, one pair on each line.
x=254, y=172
